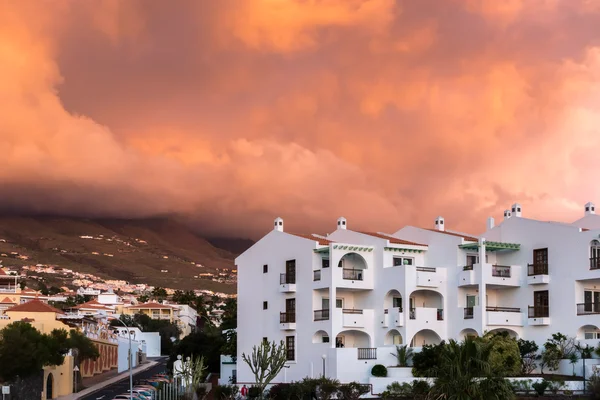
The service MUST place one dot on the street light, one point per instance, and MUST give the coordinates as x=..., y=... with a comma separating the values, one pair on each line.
x=324, y=356
x=130, y=357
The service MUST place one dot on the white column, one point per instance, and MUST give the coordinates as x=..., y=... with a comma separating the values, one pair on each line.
x=482, y=287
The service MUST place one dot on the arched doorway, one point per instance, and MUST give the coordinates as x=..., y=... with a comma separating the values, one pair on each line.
x=425, y=336
x=49, y=387
x=353, y=266
x=468, y=333
x=352, y=338
x=392, y=338
x=393, y=299
x=510, y=332
x=320, y=337
x=588, y=332
x=425, y=303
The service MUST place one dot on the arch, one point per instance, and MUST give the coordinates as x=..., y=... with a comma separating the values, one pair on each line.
x=352, y=338
x=321, y=337
x=352, y=261
x=425, y=336
x=393, y=299
x=49, y=386
x=588, y=332
x=426, y=298
x=510, y=332
x=393, y=337
x=467, y=333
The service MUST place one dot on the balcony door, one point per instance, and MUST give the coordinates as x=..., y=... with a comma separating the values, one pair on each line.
x=471, y=301
x=290, y=271
x=540, y=303
x=540, y=257
x=591, y=298
x=290, y=306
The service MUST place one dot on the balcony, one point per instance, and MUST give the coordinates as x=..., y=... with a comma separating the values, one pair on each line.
x=588, y=308
x=501, y=271
x=503, y=275
x=594, y=263
x=467, y=277
x=429, y=277
x=468, y=313
x=321, y=315
x=539, y=315
x=504, y=316
x=367, y=353
x=287, y=321
x=393, y=317
x=355, y=318
x=426, y=314
x=537, y=274
x=287, y=283
x=351, y=274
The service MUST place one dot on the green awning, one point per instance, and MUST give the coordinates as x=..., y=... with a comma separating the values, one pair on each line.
x=491, y=246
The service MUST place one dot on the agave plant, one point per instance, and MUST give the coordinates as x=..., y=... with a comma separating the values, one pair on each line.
x=403, y=355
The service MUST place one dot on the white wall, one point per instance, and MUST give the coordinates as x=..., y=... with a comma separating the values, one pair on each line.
x=228, y=368
x=123, y=351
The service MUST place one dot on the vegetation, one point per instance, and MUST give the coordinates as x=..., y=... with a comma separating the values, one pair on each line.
x=529, y=355
x=425, y=360
x=225, y=392
x=379, y=371
x=540, y=387
x=593, y=387
x=145, y=323
x=265, y=362
x=205, y=343
x=403, y=355
x=353, y=391
x=24, y=350
x=504, y=355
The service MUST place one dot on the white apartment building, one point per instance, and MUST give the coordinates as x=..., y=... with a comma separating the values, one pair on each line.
x=341, y=302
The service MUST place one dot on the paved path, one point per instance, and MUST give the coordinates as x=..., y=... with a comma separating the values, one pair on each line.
x=119, y=384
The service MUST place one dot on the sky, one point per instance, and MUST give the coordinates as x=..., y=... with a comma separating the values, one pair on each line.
x=233, y=112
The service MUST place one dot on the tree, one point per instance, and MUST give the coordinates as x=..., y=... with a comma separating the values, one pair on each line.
x=159, y=293
x=207, y=343
x=551, y=357
x=558, y=347
x=265, y=362
x=427, y=358
x=229, y=348
x=504, y=355
x=229, y=317
x=529, y=355
x=143, y=298
x=403, y=355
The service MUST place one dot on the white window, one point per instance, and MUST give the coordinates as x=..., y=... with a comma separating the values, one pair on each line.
x=592, y=334
x=398, y=261
x=339, y=303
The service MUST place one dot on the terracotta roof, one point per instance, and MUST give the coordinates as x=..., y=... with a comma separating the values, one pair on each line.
x=312, y=236
x=92, y=304
x=34, y=305
x=7, y=301
x=462, y=235
x=2, y=272
x=392, y=239
x=152, y=305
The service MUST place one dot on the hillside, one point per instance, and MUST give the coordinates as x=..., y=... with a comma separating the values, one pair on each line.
x=131, y=250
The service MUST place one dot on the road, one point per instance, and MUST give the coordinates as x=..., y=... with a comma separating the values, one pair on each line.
x=122, y=386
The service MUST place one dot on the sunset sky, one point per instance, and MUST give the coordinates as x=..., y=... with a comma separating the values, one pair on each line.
x=234, y=112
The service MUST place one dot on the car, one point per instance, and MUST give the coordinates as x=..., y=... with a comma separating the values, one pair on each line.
x=146, y=395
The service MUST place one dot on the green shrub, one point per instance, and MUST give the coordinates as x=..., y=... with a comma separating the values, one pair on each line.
x=328, y=389
x=225, y=392
x=593, y=387
x=496, y=388
x=254, y=392
x=280, y=391
x=504, y=355
x=403, y=355
x=379, y=371
x=396, y=390
x=420, y=388
x=352, y=391
x=427, y=359
x=540, y=387
x=555, y=385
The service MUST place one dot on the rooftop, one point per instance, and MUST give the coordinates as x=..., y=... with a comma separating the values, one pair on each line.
x=311, y=236
x=152, y=305
x=34, y=305
x=392, y=239
x=468, y=238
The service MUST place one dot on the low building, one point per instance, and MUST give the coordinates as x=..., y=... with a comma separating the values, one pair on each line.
x=150, y=341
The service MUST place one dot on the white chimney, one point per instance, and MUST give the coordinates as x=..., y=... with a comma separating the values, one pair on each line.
x=341, y=223
x=507, y=214
x=278, y=224
x=516, y=210
x=439, y=223
x=590, y=208
x=490, y=223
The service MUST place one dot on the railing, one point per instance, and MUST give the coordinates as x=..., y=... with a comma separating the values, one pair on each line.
x=317, y=275
x=351, y=311
x=412, y=314
x=367, y=353
x=502, y=271
x=537, y=269
x=426, y=269
x=287, y=279
x=440, y=314
x=502, y=309
x=594, y=263
x=588, y=308
x=352, y=274
x=8, y=290
x=321, y=315
x=468, y=268
x=287, y=317
x=468, y=313
x=539, y=311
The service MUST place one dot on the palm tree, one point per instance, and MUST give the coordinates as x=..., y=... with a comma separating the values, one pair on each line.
x=403, y=355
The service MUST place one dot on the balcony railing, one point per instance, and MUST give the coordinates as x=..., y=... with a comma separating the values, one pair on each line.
x=317, y=275
x=352, y=274
x=287, y=279
x=287, y=318
x=468, y=313
x=351, y=311
x=426, y=269
x=468, y=268
x=440, y=314
x=412, y=314
x=367, y=353
x=321, y=315
x=594, y=263
x=502, y=309
x=502, y=271
x=539, y=311
x=588, y=308
x=537, y=269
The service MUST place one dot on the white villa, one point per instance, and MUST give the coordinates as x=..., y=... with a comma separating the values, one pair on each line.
x=341, y=302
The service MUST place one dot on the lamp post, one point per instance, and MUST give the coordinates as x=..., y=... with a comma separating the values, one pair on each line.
x=129, y=357
x=324, y=356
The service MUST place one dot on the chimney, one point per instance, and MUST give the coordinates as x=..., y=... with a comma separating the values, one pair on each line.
x=341, y=223
x=516, y=210
x=490, y=223
x=507, y=214
x=278, y=224
x=439, y=224
x=590, y=208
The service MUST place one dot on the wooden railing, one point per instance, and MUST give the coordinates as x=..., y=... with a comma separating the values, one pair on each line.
x=286, y=279
x=502, y=271
x=426, y=269
x=468, y=313
x=351, y=311
x=502, y=309
x=537, y=269
x=287, y=317
x=352, y=274
x=588, y=308
x=321, y=315
x=367, y=353
x=539, y=312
